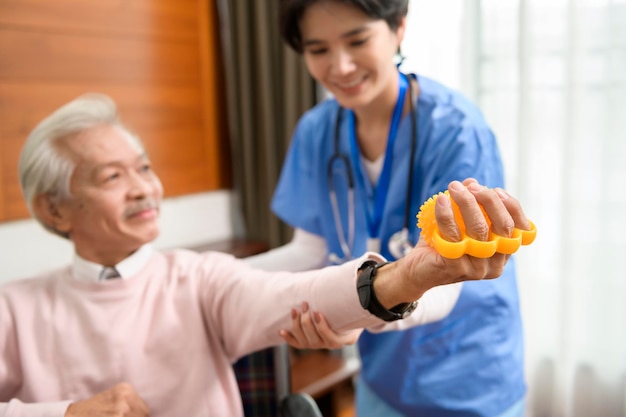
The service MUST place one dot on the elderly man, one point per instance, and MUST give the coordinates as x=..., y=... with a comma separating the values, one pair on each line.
x=125, y=330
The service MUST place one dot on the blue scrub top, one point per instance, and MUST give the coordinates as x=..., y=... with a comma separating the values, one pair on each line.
x=471, y=362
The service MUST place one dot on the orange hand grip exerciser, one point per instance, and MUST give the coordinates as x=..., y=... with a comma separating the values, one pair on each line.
x=467, y=246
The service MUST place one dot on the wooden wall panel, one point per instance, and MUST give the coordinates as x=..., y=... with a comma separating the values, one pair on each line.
x=41, y=56
x=158, y=59
x=156, y=19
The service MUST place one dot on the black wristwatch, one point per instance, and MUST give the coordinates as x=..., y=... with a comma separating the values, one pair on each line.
x=367, y=297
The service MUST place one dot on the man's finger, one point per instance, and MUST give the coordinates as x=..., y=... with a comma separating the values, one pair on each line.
x=445, y=219
x=476, y=225
x=514, y=208
x=502, y=223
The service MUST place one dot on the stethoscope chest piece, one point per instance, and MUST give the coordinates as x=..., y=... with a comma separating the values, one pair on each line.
x=399, y=244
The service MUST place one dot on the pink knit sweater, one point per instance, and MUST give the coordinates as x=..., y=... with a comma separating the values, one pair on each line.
x=172, y=331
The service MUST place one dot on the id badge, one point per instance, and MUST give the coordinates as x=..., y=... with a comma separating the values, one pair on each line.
x=373, y=245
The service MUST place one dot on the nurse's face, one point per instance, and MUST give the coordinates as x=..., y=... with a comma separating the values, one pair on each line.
x=349, y=53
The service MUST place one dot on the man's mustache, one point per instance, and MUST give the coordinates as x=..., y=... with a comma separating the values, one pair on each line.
x=146, y=204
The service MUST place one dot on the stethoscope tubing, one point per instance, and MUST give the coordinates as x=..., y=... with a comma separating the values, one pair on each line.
x=341, y=158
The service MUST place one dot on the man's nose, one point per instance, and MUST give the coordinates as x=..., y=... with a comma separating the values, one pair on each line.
x=139, y=187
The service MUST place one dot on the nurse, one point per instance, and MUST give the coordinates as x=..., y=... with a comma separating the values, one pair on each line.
x=358, y=168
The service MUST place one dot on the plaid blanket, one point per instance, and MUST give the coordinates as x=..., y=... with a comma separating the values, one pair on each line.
x=257, y=384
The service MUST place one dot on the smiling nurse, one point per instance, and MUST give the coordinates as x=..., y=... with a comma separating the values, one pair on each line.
x=359, y=166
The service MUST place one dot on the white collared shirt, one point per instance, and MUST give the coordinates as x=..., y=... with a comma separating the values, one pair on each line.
x=84, y=270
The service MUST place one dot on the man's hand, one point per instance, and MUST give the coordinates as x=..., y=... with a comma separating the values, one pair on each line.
x=310, y=330
x=423, y=268
x=120, y=401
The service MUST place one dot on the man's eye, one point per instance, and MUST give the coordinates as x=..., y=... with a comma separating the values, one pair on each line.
x=146, y=168
x=113, y=176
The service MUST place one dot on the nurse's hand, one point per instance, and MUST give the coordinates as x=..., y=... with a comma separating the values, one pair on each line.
x=310, y=330
x=423, y=268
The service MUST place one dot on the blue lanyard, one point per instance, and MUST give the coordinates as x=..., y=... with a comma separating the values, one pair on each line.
x=374, y=219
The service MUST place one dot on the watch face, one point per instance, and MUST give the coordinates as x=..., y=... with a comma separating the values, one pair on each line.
x=410, y=309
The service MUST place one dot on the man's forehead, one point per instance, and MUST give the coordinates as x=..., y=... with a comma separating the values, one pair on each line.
x=102, y=147
x=104, y=142
x=121, y=162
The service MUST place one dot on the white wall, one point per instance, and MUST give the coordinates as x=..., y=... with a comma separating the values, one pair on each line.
x=432, y=42
x=26, y=248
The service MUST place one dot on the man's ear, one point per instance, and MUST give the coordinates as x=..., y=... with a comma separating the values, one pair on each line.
x=50, y=211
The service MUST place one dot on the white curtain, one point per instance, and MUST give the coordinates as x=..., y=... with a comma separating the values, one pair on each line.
x=550, y=76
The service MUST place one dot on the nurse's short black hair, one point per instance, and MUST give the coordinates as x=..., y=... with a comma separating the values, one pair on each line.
x=291, y=11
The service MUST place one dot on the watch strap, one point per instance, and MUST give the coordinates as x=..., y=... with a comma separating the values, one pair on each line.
x=366, y=275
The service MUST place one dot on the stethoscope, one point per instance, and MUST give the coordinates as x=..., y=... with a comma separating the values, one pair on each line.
x=399, y=244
